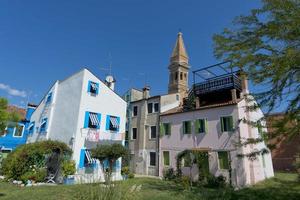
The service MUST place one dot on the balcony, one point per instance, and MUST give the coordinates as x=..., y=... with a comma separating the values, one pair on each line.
x=223, y=82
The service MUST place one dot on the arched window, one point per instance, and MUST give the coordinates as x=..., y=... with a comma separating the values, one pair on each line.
x=185, y=76
x=176, y=76
x=181, y=75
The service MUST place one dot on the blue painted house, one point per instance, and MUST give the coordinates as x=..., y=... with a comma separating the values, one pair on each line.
x=16, y=134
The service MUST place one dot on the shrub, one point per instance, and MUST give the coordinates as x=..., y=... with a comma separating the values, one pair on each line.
x=297, y=165
x=125, y=171
x=131, y=175
x=169, y=174
x=19, y=161
x=215, y=182
x=186, y=182
x=68, y=168
x=34, y=174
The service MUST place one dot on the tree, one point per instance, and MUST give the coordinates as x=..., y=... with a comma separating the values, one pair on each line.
x=111, y=153
x=265, y=45
x=6, y=117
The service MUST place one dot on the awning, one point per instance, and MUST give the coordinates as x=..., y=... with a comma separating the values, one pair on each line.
x=94, y=86
x=43, y=122
x=89, y=157
x=94, y=119
x=114, y=122
x=30, y=126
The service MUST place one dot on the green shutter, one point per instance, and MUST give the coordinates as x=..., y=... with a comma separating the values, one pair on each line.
x=162, y=129
x=222, y=124
x=169, y=128
x=197, y=125
x=223, y=160
x=205, y=126
x=189, y=127
x=166, y=158
x=231, y=125
x=183, y=128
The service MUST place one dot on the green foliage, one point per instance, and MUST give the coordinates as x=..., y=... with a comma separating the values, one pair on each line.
x=35, y=174
x=6, y=117
x=186, y=182
x=131, y=175
x=125, y=171
x=169, y=174
x=23, y=157
x=68, y=168
x=216, y=182
x=297, y=165
x=265, y=45
x=110, y=152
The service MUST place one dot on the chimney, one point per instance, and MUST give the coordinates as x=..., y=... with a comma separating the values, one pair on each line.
x=146, y=92
x=244, y=81
x=110, y=82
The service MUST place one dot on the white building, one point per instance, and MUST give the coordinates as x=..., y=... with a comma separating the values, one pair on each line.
x=81, y=111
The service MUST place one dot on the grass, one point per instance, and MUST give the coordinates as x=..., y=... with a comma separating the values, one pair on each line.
x=282, y=186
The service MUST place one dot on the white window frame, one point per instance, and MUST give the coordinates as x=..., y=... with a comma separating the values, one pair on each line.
x=233, y=121
x=15, y=130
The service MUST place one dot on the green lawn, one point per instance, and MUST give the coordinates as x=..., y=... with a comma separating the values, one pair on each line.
x=283, y=186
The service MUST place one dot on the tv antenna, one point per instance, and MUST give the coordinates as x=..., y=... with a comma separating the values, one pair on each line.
x=109, y=68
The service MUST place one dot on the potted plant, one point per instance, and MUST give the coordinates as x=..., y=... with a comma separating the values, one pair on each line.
x=68, y=171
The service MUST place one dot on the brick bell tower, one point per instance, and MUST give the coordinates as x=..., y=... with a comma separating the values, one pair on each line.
x=179, y=69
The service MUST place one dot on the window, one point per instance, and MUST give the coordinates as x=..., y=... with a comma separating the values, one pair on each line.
x=43, y=126
x=156, y=107
x=201, y=126
x=93, y=88
x=166, y=155
x=112, y=123
x=134, y=130
x=187, y=126
x=150, y=106
x=226, y=124
x=86, y=159
x=176, y=76
x=223, y=160
x=152, y=158
x=19, y=131
x=165, y=128
x=135, y=111
x=181, y=76
x=92, y=120
x=49, y=98
x=185, y=76
x=31, y=127
x=10, y=129
x=153, y=132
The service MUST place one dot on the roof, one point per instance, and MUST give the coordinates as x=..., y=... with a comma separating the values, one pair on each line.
x=179, y=53
x=179, y=110
x=153, y=97
x=20, y=111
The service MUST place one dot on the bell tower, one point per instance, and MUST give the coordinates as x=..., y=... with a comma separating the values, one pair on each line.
x=179, y=69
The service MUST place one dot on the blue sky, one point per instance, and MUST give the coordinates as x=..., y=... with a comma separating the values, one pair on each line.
x=42, y=41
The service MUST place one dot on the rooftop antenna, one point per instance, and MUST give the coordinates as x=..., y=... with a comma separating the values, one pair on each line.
x=145, y=75
x=109, y=68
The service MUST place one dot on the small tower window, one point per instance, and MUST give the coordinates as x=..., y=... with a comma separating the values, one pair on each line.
x=185, y=76
x=176, y=76
x=181, y=75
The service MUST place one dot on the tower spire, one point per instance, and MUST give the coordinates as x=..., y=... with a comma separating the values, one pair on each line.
x=179, y=69
x=179, y=54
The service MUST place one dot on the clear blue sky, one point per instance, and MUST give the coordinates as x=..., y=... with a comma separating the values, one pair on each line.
x=45, y=40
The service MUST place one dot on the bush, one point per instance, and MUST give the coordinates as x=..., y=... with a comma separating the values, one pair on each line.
x=68, y=168
x=297, y=166
x=169, y=174
x=37, y=175
x=186, y=182
x=216, y=182
x=21, y=160
x=125, y=171
x=131, y=175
